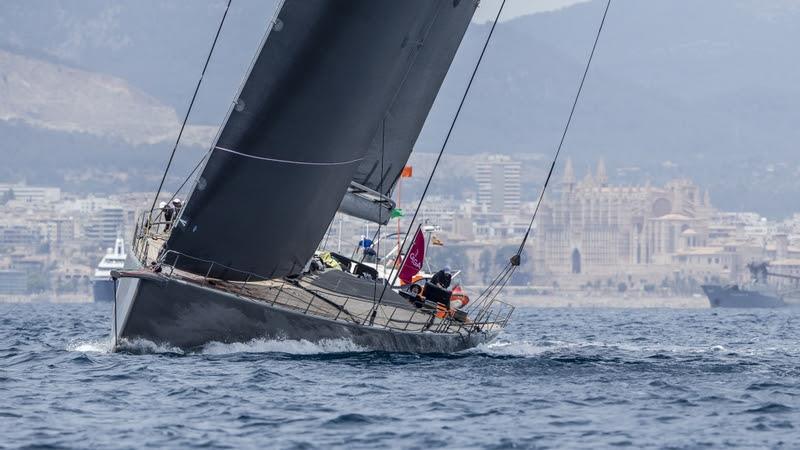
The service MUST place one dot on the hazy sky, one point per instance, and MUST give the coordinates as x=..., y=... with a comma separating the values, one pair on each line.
x=516, y=8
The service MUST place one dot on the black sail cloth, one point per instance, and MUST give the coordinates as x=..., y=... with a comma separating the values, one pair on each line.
x=391, y=147
x=316, y=94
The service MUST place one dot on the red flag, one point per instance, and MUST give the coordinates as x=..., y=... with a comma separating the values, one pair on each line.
x=407, y=172
x=413, y=262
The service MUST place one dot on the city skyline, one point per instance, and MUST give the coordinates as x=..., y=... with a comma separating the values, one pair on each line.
x=676, y=229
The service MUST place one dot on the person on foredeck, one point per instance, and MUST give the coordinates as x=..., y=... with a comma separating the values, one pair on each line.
x=442, y=278
x=177, y=204
x=168, y=210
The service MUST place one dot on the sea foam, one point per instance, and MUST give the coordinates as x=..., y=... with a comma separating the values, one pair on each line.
x=91, y=346
x=292, y=347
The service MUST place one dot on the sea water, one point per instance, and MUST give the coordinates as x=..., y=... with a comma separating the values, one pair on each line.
x=558, y=378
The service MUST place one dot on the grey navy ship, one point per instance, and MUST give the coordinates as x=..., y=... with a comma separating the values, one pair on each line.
x=758, y=293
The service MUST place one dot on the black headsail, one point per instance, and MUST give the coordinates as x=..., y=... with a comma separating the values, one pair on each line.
x=304, y=119
x=390, y=149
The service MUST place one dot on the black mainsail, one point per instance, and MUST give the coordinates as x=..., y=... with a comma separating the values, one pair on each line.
x=391, y=147
x=309, y=110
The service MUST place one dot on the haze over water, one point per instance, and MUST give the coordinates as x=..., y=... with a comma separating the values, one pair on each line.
x=559, y=377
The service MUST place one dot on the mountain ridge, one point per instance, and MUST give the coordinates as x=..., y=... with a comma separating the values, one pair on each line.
x=58, y=98
x=678, y=88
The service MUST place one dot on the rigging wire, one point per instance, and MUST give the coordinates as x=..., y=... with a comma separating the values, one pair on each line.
x=376, y=235
x=191, y=104
x=444, y=145
x=453, y=122
x=493, y=290
x=566, y=129
x=380, y=214
x=188, y=177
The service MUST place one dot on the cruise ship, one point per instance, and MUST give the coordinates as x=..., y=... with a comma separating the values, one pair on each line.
x=102, y=283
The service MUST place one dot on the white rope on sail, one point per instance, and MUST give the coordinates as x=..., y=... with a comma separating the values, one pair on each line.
x=287, y=161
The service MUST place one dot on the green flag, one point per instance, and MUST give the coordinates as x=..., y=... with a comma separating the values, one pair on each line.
x=397, y=212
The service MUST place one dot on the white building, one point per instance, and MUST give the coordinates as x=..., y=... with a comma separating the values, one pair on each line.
x=499, y=185
x=13, y=282
x=596, y=228
x=22, y=193
x=105, y=225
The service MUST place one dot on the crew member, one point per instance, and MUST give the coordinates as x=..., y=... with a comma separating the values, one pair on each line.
x=169, y=212
x=162, y=206
x=442, y=278
x=370, y=255
x=178, y=204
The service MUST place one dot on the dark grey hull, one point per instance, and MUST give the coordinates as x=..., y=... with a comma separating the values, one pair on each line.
x=733, y=297
x=187, y=315
x=103, y=290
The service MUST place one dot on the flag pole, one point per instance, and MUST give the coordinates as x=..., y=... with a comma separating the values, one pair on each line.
x=407, y=172
x=399, y=189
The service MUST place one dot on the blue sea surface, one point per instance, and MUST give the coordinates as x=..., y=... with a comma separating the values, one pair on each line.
x=558, y=378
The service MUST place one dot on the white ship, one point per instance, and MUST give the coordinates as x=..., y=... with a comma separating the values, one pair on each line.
x=102, y=283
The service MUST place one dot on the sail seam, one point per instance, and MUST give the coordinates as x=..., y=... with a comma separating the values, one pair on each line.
x=288, y=161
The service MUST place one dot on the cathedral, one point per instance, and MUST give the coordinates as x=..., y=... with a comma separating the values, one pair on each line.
x=593, y=228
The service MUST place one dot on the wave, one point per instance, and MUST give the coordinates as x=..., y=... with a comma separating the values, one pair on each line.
x=136, y=346
x=501, y=347
x=292, y=347
x=145, y=347
x=91, y=346
x=519, y=348
x=526, y=348
x=770, y=408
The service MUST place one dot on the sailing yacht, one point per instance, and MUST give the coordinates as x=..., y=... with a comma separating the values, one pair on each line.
x=324, y=122
x=102, y=283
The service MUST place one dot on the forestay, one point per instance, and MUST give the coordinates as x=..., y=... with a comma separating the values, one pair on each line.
x=391, y=147
x=303, y=121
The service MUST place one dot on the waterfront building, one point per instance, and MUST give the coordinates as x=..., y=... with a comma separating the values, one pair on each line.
x=790, y=267
x=22, y=193
x=710, y=263
x=59, y=230
x=13, y=282
x=105, y=225
x=499, y=186
x=592, y=227
x=439, y=212
x=18, y=235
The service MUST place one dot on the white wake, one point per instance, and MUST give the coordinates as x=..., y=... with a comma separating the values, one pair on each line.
x=292, y=347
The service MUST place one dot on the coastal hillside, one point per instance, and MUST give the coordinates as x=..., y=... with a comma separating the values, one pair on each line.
x=668, y=95
x=53, y=97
